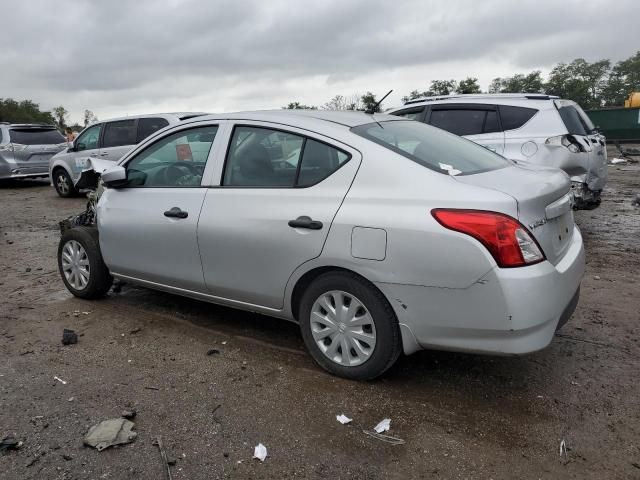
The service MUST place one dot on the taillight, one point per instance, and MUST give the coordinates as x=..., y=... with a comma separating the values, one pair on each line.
x=568, y=141
x=508, y=241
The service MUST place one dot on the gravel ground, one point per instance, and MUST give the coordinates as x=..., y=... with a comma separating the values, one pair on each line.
x=462, y=416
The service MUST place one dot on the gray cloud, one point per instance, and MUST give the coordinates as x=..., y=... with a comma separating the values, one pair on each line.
x=122, y=57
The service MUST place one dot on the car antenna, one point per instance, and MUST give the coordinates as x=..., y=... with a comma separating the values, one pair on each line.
x=373, y=109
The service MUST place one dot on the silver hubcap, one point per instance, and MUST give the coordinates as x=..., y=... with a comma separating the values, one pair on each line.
x=75, y=264
x=343, y=328
x=62, y=183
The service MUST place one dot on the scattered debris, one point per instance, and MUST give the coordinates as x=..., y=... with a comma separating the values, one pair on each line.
x=163, y=454
x=636, y=201
x=343, y=419
x=27, y=352
x=213, y=351
x=383, y=426
x=619, y=161
x=9, y=443
x=224, y=343
x=115, y=431
x=69, y=337
x=135, y=330
x=563, y=448
x=384, y=438
x=67, y=457
x=260, y=452
x=28, y=269
x=71, y=399
x=60, y=380
x=152, y=388
x=596, y=277
x=129, y=414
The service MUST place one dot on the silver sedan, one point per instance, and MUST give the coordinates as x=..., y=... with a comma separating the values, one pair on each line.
x=377, y=235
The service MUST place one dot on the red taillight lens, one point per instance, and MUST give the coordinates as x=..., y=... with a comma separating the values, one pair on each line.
x=508, y=241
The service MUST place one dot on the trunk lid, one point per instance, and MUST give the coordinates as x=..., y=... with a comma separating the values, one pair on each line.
x=34, y=145
x=543, y=198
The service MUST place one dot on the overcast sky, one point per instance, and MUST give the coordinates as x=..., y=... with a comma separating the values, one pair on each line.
x=127, y=57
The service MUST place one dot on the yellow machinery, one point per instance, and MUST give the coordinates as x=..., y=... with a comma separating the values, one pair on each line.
x=633, y=101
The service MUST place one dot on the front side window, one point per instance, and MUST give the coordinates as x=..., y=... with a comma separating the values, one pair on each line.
x=147, y=126
x=89, y=139
x=410, y=114
x=119, y=134
x=431, y=147
x=262, y=157
x=177, y=160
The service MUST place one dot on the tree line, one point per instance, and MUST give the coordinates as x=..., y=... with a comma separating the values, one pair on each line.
x=26, y=111
x=591, y=85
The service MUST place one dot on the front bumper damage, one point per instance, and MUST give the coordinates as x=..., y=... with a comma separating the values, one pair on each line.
x=89, y=180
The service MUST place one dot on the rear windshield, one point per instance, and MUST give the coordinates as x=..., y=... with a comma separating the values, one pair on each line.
x=432, y=147
x=34, y=136
x=572, y=119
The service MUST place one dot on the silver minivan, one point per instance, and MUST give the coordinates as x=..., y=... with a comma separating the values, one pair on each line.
x=108, y=140
x=533, y=128
x=25, y=149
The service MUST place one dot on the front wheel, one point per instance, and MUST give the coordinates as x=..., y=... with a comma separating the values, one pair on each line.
x=349, y=327
x=80, y=263
x=63, y=183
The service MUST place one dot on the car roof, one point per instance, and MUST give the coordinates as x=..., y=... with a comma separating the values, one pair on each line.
x=295, y=117
x=28, y=125
x=177, y=115
x=537, y=100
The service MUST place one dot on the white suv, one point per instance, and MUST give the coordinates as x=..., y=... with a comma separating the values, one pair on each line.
x=108, y=140
x=539, y=129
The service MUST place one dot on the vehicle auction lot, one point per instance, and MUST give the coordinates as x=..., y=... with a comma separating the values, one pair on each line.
x=461, y=416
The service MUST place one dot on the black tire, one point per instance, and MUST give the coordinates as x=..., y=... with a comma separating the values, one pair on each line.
x=61, y=177
x=388, y=344
x=100, y=280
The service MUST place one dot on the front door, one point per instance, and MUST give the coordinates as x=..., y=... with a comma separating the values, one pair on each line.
x=86, y=145
x=279, y=193
x=148, y=229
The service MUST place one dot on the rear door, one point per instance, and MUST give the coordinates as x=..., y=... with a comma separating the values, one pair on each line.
x=147, y=126
x=279, y=192
x=476, y=122
x=118, y=138
x=34, y=146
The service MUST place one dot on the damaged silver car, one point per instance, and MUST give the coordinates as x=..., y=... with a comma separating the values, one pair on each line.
x=377, y=235
x=539, y=129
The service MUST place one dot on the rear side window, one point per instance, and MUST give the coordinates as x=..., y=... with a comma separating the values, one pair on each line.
x=411, y=113
x=515, y=117
x=464, y=122
x=34, y=136
x=431, y=147
x=147, y=126
x=261, y=157
x=118, y=134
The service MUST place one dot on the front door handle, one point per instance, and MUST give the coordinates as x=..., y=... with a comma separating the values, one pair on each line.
x=104, y=154
x=305, y=222
x=176, y=212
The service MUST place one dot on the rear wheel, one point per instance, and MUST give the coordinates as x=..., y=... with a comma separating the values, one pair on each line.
x=63, y=183
x=349, y=327
x=80, y=263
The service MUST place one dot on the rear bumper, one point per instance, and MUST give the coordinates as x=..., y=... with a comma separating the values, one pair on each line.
x=8, y=171
x=508, y=311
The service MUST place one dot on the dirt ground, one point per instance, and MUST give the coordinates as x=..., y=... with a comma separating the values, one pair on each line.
x=462, y=416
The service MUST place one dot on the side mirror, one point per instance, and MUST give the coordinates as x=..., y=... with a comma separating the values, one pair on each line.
x=114, y=177
x=78, y=147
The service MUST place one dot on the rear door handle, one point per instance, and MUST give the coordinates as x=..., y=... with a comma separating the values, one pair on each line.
x=305, y=222
x=175, y=212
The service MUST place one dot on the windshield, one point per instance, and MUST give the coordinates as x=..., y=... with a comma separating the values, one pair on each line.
x=431, y=147
x=35, y=136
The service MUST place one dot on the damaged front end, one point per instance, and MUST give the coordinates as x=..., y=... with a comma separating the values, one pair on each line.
x=89, y=180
